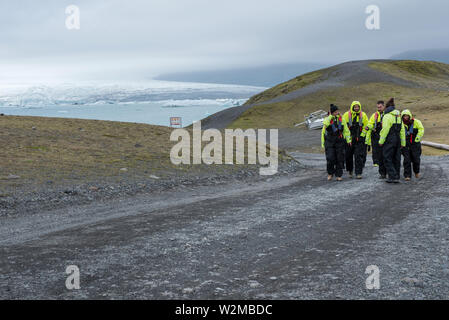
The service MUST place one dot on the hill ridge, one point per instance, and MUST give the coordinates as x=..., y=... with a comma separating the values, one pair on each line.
x=345, y=74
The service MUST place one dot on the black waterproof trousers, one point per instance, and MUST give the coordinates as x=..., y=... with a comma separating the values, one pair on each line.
x=378, y=157
x=356, y=154
x=382, y=168
x=377, y=150
x=335, y=154
x=412, y=158
x=392, y=153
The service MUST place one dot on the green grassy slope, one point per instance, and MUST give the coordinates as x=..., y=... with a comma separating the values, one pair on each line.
x=428, y=74
x=286, y=87
x=40, y=151
x=48, y=149
x=429, y=100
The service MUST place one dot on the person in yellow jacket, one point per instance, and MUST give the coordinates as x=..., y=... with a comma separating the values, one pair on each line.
x=414, y=131
x=356, y=151
x=392, y=139
x=373, y=136
x=334, y=136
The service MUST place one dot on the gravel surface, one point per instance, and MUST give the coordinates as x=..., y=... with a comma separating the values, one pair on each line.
x=292, y=236
x=29, y=198
x=294, y=139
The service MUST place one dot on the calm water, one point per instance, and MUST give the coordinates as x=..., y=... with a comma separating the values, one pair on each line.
x=151, y=112
x=152, y=102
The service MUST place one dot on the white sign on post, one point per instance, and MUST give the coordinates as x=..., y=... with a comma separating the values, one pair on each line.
x=176, y=122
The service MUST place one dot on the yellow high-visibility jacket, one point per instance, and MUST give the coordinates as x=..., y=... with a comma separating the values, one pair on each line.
x=375, y=118
x=355, y=118
x=390, y=118
x=328, y=122
x=417, y=125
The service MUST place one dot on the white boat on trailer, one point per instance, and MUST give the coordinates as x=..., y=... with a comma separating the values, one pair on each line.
x=314, y=120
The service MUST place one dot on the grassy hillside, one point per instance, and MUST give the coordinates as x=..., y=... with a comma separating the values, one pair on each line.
x=286, y=87
x=48, y=150
x=428, y=74
x=429, y=100
x=430, y=106
x=37, y=151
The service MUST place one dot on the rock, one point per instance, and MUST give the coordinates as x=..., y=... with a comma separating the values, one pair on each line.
x=124, y=169
x=138, y=145
x=70, y=192
x=154, y=177
x=253, y=284
x=33, y=128
x=412, y=281
x=12, y=177
x=93, y=188
x=187, y=290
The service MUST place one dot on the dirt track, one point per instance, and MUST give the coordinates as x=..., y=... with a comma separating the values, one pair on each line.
x=294, y=237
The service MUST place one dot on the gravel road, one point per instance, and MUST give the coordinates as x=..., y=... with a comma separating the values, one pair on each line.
x=285, y=237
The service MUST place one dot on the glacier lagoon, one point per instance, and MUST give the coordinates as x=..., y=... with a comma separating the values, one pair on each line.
x=153, y=102
x=150, y=112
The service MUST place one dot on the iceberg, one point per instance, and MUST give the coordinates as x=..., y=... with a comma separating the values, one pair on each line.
x=170, y=94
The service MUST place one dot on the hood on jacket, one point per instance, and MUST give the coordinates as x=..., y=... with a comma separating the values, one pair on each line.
x=355, y=103
x=407, y=112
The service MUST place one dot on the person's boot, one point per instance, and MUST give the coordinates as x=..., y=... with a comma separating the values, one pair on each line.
x=407, y=179
x=396, y=181
x=389, y=180
x=359, y=176
x=417, y=175
x=350, y=174
x=375, y=165
x=383, y=177
x=339, y=179
x=329, y=177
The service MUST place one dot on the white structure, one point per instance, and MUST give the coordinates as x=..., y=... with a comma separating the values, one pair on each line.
x=314, y=120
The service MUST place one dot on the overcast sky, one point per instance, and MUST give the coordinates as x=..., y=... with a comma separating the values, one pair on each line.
x=137, y=39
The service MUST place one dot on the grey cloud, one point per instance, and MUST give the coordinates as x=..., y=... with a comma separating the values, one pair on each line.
x=142, y=38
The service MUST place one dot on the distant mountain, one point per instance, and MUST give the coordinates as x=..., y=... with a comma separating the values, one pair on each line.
x=438, y=55
x=266, y=76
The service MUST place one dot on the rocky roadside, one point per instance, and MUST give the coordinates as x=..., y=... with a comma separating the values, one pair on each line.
x=27, y=199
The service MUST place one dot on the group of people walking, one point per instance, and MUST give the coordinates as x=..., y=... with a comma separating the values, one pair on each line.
x=388, y=132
